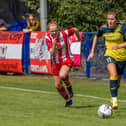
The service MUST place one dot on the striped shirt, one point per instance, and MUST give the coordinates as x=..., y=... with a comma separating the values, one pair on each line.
x=63, y=51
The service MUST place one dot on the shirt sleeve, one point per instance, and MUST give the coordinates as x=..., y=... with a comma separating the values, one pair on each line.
x=123, y=30
x=70, y=31
x=99, y=32
x=49, y=42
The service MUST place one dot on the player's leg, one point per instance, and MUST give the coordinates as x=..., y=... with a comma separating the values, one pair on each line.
x=60, y=88
x=119, y=79
x=113, y=84
x=58, y=83
x=64, y=75
x=112, y=69
x=68, y=84
x=120, y=68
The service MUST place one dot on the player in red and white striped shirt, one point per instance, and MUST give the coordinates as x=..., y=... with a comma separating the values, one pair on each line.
x=58, y=45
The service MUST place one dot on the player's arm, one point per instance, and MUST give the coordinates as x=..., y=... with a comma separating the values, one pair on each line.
x=52, y=50
x=95, y=40
x=72, y=31
x=51, y=45
x=122, y=45
x=3, y=28
x=93, y=47
x=77, y=34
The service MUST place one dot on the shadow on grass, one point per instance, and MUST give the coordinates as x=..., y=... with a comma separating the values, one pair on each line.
x=122, y=108
x=84, y=106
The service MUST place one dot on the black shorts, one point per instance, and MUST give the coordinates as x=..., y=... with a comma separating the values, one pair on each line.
x=120, y=65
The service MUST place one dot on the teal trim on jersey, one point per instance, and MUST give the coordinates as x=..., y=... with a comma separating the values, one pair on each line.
x=123, y=30
x=105, y=29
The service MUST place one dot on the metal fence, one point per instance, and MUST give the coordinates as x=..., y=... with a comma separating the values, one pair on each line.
x=95, y=68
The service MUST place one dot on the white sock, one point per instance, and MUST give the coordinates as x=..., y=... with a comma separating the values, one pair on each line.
x=114, y=99
x=68, y=99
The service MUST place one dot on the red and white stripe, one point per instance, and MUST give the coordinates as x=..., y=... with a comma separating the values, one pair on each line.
x=63, y=49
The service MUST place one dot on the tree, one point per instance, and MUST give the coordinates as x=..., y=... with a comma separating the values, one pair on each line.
x=87, y=15
x=33, y=5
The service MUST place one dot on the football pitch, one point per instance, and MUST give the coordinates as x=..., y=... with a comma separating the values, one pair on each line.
x=34, y=101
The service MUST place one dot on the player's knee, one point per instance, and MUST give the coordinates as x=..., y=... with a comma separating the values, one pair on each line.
x=58, y=85
x=62, y=76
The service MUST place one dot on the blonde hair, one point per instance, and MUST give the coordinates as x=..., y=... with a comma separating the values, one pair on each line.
x=53, y=23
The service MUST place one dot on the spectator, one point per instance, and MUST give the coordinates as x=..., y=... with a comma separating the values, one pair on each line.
x=2, y=25
x=32, y=24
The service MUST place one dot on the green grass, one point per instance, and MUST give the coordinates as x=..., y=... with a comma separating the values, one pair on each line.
x=23, y=102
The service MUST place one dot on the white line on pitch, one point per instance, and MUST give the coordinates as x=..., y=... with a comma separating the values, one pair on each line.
x=48, y=92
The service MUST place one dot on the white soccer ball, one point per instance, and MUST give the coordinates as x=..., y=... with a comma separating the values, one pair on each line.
x=104, y=111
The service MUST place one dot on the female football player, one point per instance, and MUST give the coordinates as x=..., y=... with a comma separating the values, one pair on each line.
x=59, y=48
x=114, y=33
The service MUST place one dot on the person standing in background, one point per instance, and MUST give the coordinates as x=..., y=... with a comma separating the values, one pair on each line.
x=3, y=25
x=32, y=24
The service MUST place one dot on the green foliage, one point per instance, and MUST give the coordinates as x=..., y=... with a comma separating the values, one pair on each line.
x=33, y=5
x=86, y=15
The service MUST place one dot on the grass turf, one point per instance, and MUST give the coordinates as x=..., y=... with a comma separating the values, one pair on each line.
x=34, y=101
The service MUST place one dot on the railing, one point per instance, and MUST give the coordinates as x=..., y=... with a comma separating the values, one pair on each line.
x=88, y=43
x=18, y=26
x=86, y=47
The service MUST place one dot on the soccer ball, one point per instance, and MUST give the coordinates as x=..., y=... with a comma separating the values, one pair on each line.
x=104, y=111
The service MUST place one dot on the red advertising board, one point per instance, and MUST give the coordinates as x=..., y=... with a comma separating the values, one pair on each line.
x=40, y=60
x=11, y=51
x=75, y=47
